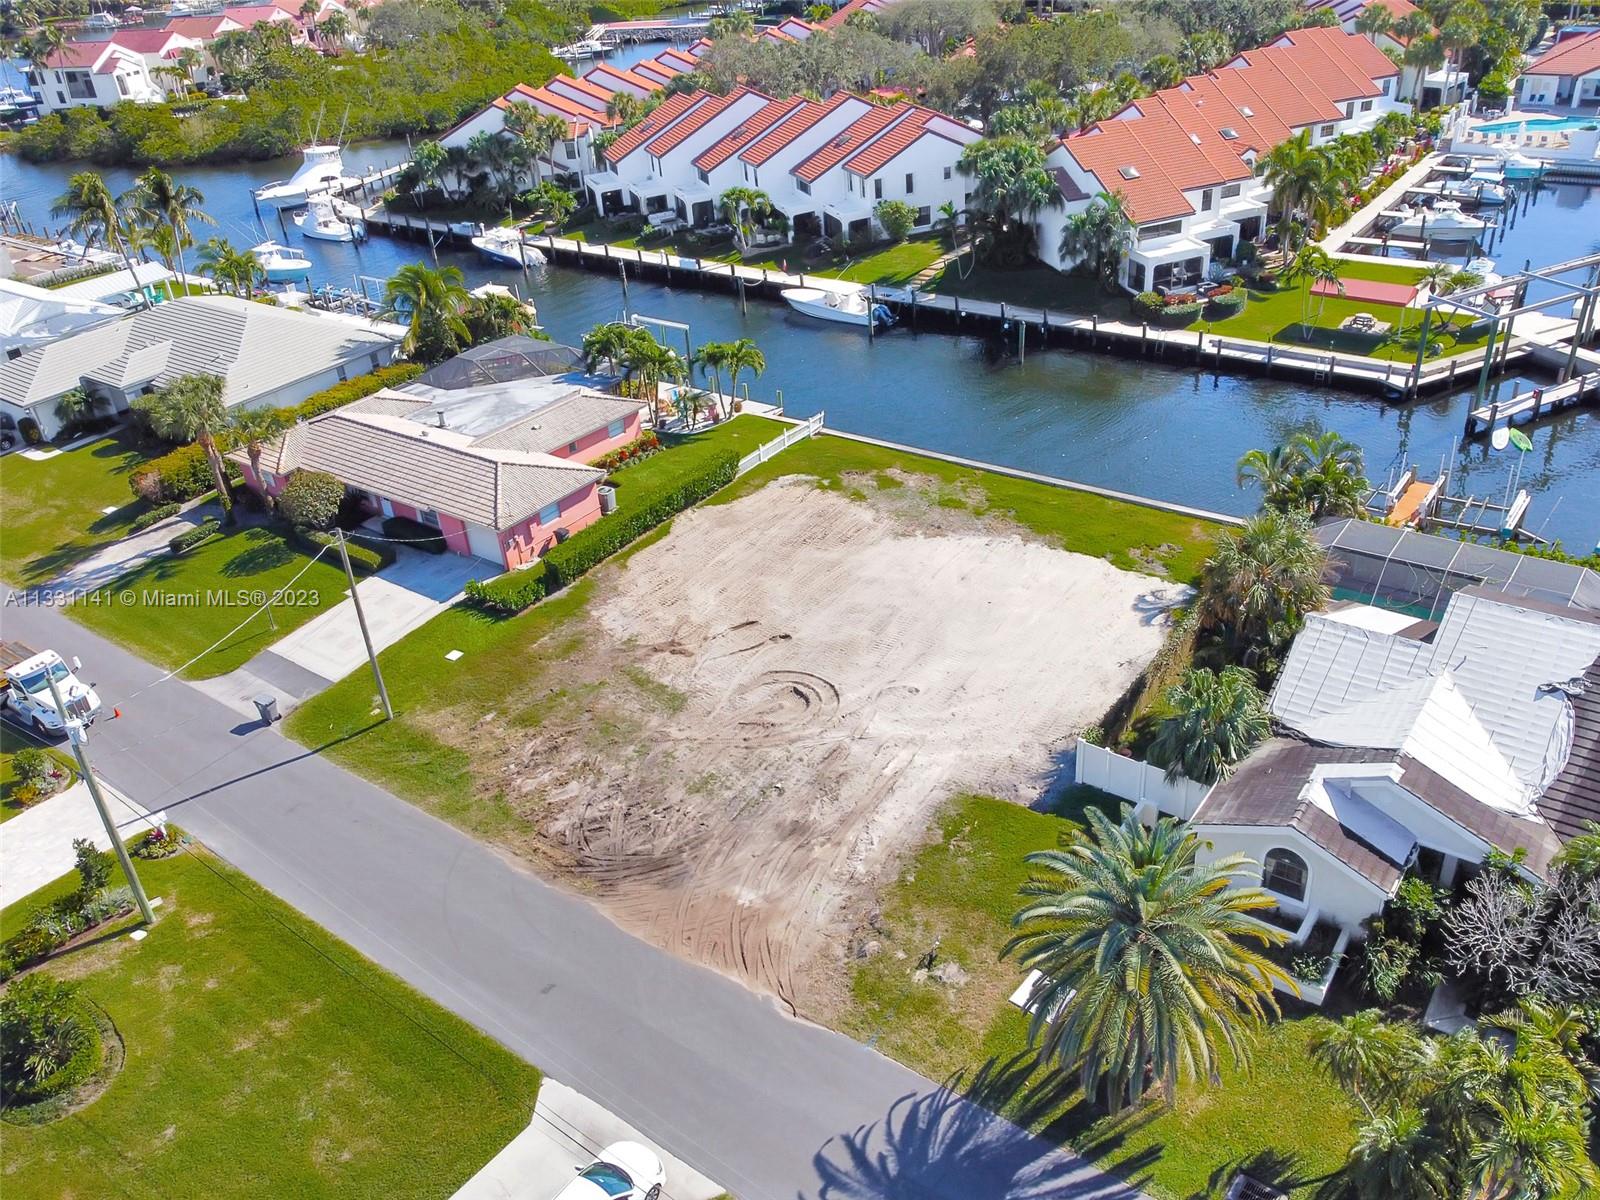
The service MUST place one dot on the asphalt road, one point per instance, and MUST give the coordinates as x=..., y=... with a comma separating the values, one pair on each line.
x=771, y=1107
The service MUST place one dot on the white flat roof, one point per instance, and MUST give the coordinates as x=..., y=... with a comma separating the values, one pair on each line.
x=1365, y=616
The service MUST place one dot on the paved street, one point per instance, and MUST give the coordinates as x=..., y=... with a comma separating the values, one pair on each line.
x=772, y=1108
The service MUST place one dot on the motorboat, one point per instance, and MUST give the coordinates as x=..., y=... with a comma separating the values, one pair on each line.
x=280, y=263
x=18, y=106
x=848, y=308
x=1475, y=190
x=1517, y=165
x=504, y=244
x=322, y=220
x=1444, y=222
x=321, y=171
x=582, y=48
x=101, y=21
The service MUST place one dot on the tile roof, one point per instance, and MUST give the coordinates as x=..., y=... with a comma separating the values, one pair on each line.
x=791, y=127
x=562, y=422
x=79, y=54
x=663, y=115
x=375, y=448
x=1569, y=58
x=659, y=71
x=845, y=143
x=677, y=59
x=918, y=123
x=1501, y=829
x=696, y=119
x=772, y=113
x=851, y=8
x=1573, y=797
x=607, y=72
x=256, y=348
x=204, y=28
x=148, y=41
x=599, y=95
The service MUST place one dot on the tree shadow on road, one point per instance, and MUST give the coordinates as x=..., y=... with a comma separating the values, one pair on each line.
x=947, y=1145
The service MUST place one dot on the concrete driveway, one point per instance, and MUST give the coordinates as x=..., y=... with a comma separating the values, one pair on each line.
x=417, y=588
x=567, y=1131
x=110, y=563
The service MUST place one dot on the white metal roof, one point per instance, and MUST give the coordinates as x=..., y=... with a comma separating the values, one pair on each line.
x=32, y=315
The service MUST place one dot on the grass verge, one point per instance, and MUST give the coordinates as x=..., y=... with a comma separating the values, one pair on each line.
x=12, y=740
x=54, y=509
x=173, y=607
x=265, y=1057
x=959, y=893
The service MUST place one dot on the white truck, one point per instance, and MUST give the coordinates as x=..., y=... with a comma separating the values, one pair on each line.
x=25, y=676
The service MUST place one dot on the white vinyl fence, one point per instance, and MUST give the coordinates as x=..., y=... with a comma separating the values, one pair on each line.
x=795, y=433
x=1137, y=782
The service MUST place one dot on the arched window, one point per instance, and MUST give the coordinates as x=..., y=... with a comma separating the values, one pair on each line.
x=1284, y=872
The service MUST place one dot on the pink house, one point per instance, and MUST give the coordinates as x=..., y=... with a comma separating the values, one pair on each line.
x=500, y=470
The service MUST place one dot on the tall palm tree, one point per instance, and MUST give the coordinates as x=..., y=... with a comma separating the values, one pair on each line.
x=430, y=302
x=1310, y=268
x=1099, y=236
x=1364, y=1054
x=1306, y=180
x=254, y=428
x=428, y=159
x=624, y=108
x=608, y=343
x=1425, y=53
x=335, y=28
x=92, y=214
x=1258, y=584
x=158, y=197
x=536, y=133
x=1276, y=472
x=1331, y=479
x=191, y=409
x=1373, y=21
x=743, y=355
x=652, y=364
x=740, y=204
x=237, y=270
x=1217, y=718
x=1146, y=974
x=713, y=358
x=1398, y=1156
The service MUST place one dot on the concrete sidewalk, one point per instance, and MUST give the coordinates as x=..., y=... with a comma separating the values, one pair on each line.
x=36, y=845
x=567, y=1131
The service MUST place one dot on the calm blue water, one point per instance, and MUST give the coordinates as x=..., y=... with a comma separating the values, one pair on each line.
x=1537, y=124
x=1166, y=432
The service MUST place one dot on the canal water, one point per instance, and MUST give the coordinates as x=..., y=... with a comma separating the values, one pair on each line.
x=1167, y=432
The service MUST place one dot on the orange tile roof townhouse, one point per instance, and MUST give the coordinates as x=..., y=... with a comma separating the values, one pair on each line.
x=1565, y=76
x=619, y=79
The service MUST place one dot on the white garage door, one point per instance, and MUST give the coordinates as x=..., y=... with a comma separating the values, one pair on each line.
x=485, y=543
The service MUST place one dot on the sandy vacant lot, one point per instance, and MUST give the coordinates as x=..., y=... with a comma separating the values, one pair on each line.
x=767, y=706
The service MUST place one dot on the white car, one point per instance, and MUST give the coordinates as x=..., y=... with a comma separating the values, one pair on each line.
x=624, y=1171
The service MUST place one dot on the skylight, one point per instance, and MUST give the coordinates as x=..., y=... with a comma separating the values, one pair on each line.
x=1195, y=138
x=1128, y=172
x=1245, y=109
x=1229, y=132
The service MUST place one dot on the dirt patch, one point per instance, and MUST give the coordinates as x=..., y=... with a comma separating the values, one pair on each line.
x=766, y=707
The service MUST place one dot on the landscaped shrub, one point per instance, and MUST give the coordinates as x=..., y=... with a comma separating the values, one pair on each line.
x=641, y=447
x=156, y=515
x=56, y=924
x=585, y=549
x=162, y=842
x=29, y=429
x=1181, y=313
x=1222, y=305
x=311, y=499
x=178, y=475
x=351, y=390
x=191, y=538
x=366, y=558
x=1146, y=306
x=49, y=1041
x=509, y=593
x=415, y=533
x=32, y=765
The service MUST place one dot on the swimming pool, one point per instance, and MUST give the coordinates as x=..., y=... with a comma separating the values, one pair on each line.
x=1538, y=124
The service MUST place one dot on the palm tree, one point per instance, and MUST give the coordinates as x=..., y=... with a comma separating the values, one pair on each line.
x=1276, y=472
x=652, y=364
x=1259, y=583
x=430, y=302
x=308, y=16
x=624, y=108
x=1216, y=720
x=1305, y=179
x=1398, y=1156
x=1533, y=1151
x=536, y=133
x=1581, y=854
x=713, y=358
x=239, y=270
x=608, y=343
x=1099, y=236
x=92, y=213
x=191, y=409
x=1331, y=479
x=1373, y=22
x=1163, y=71
x=1425, y=53
x=1011, y=185
x=1312, y=266
x=254, y=428
x=1364, y=1054
x=335, y=28
x=739, y=204
x=497, y=315
x=428, y=159
x=157, y=197
x=743, y=355
x=75, y=407
x=1146, y=976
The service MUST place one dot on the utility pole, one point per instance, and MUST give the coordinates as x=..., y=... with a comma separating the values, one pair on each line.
x=75, y=735
x=361, y=619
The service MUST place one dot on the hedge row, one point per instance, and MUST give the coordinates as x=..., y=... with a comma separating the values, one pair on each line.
x=586, y=549
x=589, y=547
x=157, y=514
x=190, y=538
x=56, y=924
x=366, y=558
x=183, y=474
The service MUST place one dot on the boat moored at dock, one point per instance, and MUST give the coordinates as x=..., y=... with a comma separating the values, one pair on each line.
x=280, y=263
x=504, y=244
x=332, y=220
x=321, y=172
x=847, y=308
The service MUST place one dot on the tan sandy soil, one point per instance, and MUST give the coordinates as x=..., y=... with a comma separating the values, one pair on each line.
x=767, y=706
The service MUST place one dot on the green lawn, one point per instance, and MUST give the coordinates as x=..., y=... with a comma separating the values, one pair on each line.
x=52, y=509
x=12, y=740
x=265, y=1057
x=1033, y=286
x=181, y=604
x=1127, y=535
x=960, y=892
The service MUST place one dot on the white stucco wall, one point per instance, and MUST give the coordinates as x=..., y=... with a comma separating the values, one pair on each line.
x=1341, y=895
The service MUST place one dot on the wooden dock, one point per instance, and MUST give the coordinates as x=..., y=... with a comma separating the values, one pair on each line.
x=1524, y=408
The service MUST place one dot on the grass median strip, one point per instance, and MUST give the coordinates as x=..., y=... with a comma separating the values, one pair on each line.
x=264, y=1056
x=174, y=606
x=959, y=894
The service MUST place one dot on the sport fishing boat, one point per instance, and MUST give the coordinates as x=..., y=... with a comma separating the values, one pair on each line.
x=1444, y=222
x=332, y=220
x=504, y=244
x=280, y=262
x=1517, y=165
x=1476, y=190
x=848, y=308
x=321, y=171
